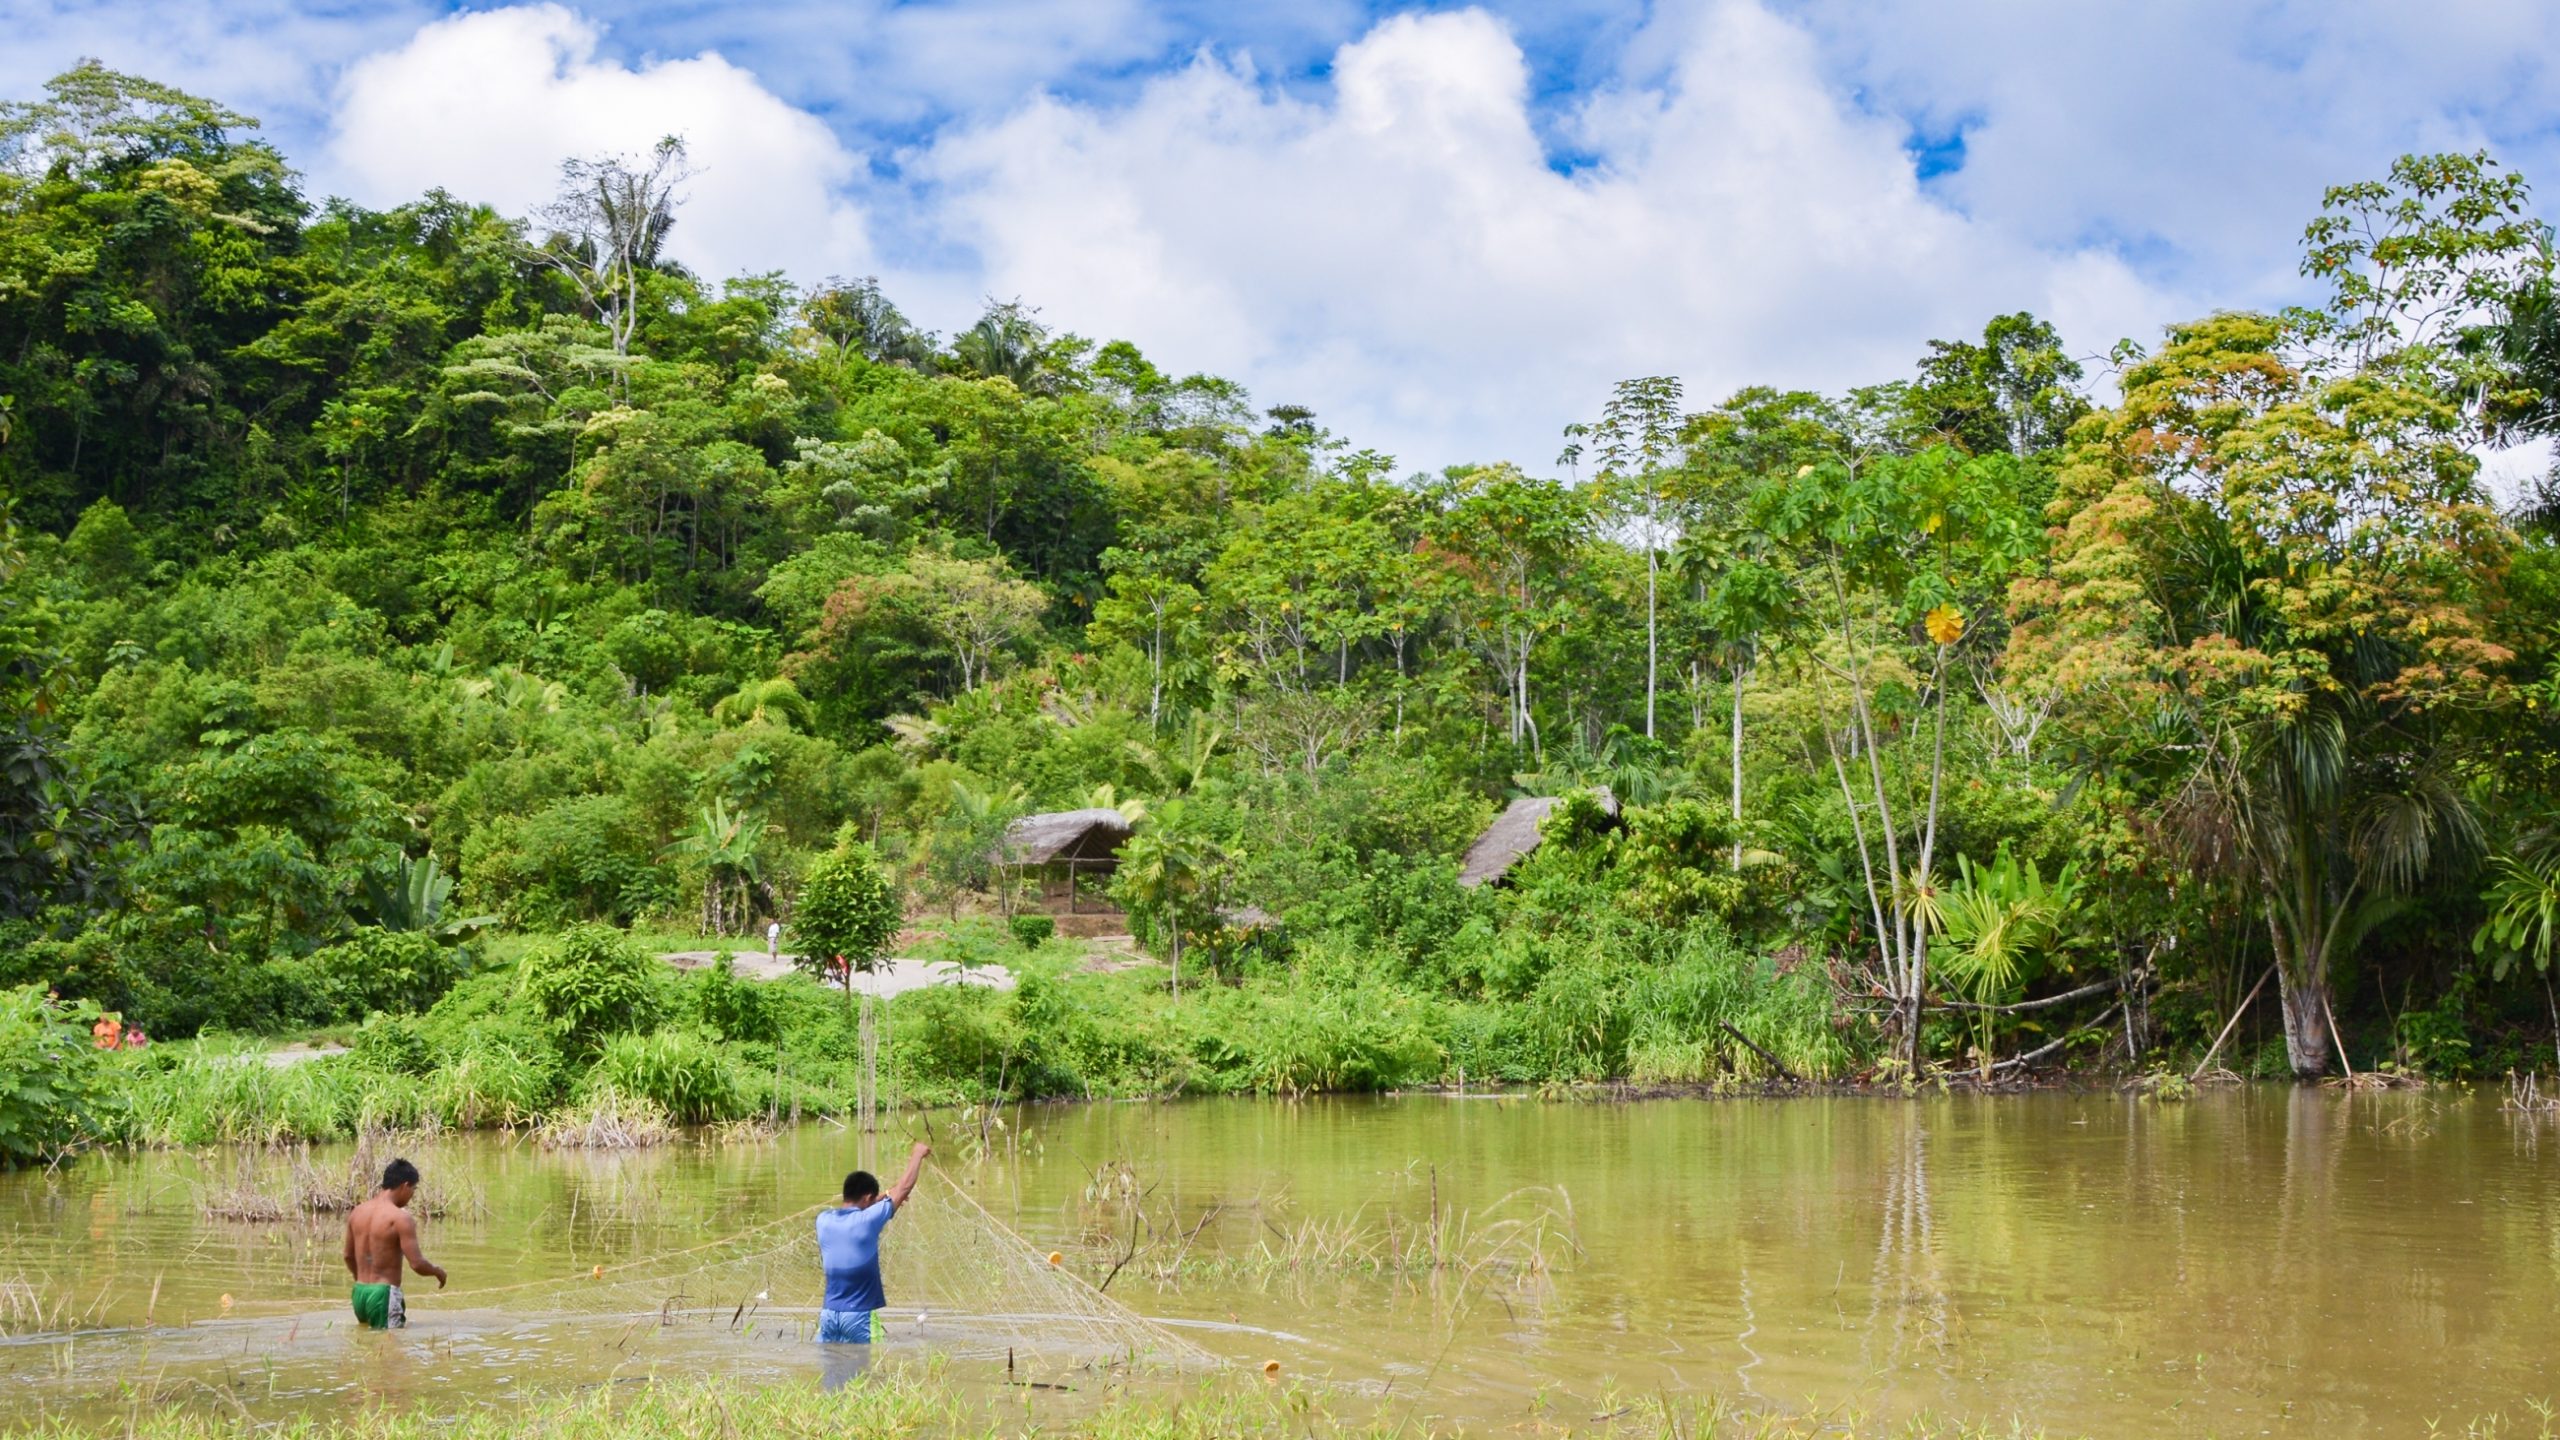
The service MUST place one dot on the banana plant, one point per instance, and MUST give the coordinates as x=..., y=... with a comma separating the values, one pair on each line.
x=727, y=845
x=415, y=899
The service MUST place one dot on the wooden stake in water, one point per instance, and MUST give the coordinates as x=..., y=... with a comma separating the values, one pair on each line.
x=867, y=1108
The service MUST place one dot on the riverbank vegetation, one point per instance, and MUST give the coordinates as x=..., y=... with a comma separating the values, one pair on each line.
x=399, y=607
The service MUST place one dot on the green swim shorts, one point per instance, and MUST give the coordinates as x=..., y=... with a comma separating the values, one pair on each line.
x=379, y=1307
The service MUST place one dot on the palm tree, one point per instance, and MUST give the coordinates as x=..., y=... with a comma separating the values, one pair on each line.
x=966, y=847
x=2330, y=809
x=1172, y=876
x=766, y=702
x=1007, y=343
x=1995, y=920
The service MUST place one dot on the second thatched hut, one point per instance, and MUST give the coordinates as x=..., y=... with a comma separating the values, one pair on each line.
x=1513, y=835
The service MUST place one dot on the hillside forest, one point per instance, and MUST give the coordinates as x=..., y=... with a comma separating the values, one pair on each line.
x=404, y=613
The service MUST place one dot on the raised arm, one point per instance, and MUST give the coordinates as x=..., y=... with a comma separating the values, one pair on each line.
x=906, y=1185
x=416, y=1257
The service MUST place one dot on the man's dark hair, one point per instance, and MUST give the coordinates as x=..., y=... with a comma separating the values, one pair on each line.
x=860, y=1185
x=399, y=1173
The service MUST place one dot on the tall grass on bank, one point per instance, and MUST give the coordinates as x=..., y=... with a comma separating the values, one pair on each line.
x=709, y=1048
x=228, y=1093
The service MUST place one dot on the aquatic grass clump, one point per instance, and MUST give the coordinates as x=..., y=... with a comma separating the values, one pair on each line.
x=1518, y=1241
x=25, y=1309
x=607, y=1119
x=746, y=1130
x=266, y=1190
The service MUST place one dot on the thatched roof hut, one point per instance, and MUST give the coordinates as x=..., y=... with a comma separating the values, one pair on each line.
x=1513, y=834
x=1065, y=835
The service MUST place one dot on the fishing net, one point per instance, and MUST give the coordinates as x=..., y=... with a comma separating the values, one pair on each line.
x=958, y=1279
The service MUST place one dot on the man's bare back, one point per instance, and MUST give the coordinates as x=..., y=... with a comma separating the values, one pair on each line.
x=381, y=1235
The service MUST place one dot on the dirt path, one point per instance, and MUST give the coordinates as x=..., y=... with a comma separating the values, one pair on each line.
x=300, y=1051
x=894, y=977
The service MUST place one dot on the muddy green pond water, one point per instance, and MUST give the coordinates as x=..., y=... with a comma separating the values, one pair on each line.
x=2263, y=1261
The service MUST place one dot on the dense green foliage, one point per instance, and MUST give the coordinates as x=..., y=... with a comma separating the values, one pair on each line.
x=49, y=1077
x=847, y=912
x=362, y=570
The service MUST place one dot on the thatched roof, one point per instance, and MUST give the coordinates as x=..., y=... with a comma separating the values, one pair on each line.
x=1064, y=835
x=1513, y=834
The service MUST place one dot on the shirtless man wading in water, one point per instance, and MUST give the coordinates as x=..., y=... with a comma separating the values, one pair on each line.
x=380, y=1234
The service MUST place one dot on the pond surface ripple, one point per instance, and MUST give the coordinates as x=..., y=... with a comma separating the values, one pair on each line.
x=2261, y=1261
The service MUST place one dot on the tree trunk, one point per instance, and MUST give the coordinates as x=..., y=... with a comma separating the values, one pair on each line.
x=2306, y=1021
x=1155, y=673
x=1737, y=767
x=1652, y=653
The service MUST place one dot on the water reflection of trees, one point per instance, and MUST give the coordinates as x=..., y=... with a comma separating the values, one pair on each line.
x=1910, y=1311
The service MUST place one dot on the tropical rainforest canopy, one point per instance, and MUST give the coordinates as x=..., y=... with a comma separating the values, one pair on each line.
x=370, y=570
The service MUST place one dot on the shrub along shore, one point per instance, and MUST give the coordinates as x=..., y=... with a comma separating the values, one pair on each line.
x=589, y=1027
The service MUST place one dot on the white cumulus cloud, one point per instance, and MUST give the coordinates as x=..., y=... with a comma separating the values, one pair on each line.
x=488, y=104
x=1401, y=255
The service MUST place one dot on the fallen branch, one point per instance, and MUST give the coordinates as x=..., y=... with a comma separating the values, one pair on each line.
x=2229, y=1025
x=2331, y=1016
x=2049, y=1047
x=1753, y=1046
x=2049, y=1001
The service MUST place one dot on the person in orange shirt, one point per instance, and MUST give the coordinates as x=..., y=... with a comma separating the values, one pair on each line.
x=108, y=1032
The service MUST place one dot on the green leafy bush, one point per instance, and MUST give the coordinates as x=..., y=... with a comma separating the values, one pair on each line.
x=50, y=1084
x=593, y=983
x=847, y=908
x=956, y=1043
x=715, y=999
x=399, y=972
x=391, y=1045
x=1032, y=931
x=589, y=857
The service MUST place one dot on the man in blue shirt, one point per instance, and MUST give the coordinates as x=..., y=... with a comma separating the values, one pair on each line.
x=849, y=1250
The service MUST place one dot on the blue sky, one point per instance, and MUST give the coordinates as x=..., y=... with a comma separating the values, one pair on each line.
x=1446, y=228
